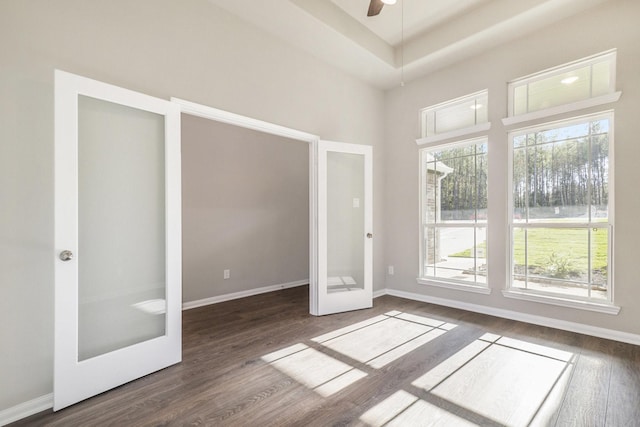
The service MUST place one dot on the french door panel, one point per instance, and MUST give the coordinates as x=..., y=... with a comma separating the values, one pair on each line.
x=117, y=237
x=345, y=244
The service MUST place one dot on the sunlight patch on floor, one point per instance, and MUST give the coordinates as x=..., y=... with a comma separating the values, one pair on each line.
x=506, y=380
x=404, y=409
x=492, y=379
x=368, y=343
x=350, y=328
x=314, y=369
x=388, y=338
x=376, y=342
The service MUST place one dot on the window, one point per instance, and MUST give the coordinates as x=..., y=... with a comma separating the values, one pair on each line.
x=461, y=113
x=454, y=213
x=561, y=225
x=578, y=81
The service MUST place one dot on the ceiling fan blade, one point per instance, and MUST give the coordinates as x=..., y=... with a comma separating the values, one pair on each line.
x=375, y=7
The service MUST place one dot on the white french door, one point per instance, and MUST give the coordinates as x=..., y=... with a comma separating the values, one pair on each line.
x=345, y=221
x=117, y=237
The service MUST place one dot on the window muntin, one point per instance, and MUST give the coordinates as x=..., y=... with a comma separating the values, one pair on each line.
x=561, y=229
x=454, y=213
x=460, y=113
x=581, y=80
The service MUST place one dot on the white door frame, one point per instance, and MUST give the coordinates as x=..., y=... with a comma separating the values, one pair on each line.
x=222, y=116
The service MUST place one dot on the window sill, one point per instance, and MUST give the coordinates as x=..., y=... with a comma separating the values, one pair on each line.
x=566, y=108
x=482, y=127
x=457, y=286
x=562, y=302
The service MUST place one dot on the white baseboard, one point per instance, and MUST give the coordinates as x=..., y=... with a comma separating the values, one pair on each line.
x=379, y=293
x=522, y=317
x=242, y=294
x=26, y=409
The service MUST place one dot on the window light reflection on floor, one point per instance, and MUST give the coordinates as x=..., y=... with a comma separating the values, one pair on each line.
x=491, y=380
x=377, y=342
x=404, y=409
x=496, y=379
x=384, y=339
x=315, y=370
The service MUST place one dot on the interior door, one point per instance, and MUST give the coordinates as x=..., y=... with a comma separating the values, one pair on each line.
x=345, y=233
x=117, y=237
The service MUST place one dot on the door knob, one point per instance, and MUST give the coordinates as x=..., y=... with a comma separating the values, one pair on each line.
x=369, y=236
x=66, y=255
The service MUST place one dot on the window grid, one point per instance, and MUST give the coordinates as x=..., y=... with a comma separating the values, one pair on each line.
x=603, y=58
x=434, y=224
x=432, y=115
x=589, y=226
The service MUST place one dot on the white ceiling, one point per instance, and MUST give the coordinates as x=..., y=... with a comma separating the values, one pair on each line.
x=410, y=38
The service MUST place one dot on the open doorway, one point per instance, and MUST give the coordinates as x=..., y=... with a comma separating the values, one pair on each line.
x=321, y=186
x=245, y=211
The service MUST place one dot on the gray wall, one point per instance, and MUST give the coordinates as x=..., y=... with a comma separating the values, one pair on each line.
x=614, y=25
x=245, y=198
x=188, y=49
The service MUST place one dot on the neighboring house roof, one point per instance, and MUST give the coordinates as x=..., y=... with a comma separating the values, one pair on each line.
x=437, y=166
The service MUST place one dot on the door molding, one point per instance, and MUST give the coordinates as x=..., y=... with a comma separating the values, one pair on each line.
x=206, y=112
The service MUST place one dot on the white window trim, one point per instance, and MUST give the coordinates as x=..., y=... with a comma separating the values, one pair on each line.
x=558, y=299
x=561, y=109
x=541, y=75
x=458, y=133
x=479, y=288
x=423, y=112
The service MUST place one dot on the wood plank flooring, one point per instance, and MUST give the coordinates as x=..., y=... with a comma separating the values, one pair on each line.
x=264, y=361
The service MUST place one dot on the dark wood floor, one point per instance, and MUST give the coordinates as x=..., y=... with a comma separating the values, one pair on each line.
x=264, y=361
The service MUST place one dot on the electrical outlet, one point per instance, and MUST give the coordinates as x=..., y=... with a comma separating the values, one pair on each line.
x=227, y=274
x=390, y=270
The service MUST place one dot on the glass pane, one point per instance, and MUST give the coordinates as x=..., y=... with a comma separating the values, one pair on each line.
x=519, y=258
x=345, y=222
x=560, y=89
x=557, y=260
x=430, y=123
x=520, y=99
x=559, y=181
x=481, y=109
x=482, y=190
x=452, y=253
x=121, y=209
x=600, y=178
x=574, y=131
x=457, y=116
x=431, y=200
x=599, y=262
x=458, y=176
x=601, y=76
x=480, y=250
x=519, y=185
x=431, y=237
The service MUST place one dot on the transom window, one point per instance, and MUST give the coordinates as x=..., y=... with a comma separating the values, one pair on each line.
x=561, y=224
x=454, y=213
x=588, y=78
x=459, y=113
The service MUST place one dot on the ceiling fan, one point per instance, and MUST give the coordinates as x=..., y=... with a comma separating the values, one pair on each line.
x=375, y=6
